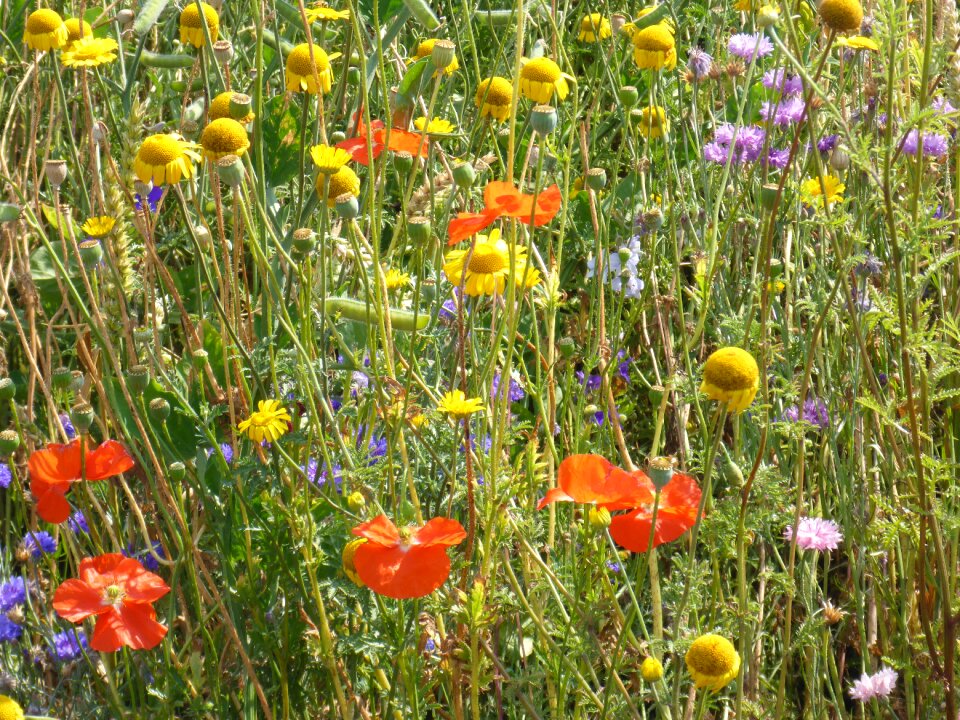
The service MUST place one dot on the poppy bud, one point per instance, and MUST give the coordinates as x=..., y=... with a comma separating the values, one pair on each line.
x=223, y=51
x=176, y=471
x=76, y=381
x=628, y=96
x=543, y=119
x=230, y=170
x=240, y=105
x=56, y=172
x=596, y=179
x=337, y=136
x=661, y=471
x=839, y=159
x=200, y=358
x=353, y=76
x=419, y=229
x=444, y=52
x=9, y=442
x=159, y=409
x=651, y=669
x=7, y=389
x=567, y=347
x=125, y=18
x=304, y=240
x=81, y=415
x=767, y=16
x=356, y=502
x=138, y=377
x=403, y=161
x=9, y=212
x=599, y=518
x=464, y=175
x=347, y=206
x=91, y=253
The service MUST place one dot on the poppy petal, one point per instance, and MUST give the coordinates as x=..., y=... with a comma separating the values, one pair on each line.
x=357, y=147
x=76, y=600
x=52, y=506
x=140, y=584
x=553, y=495
x=632, y=531
x=548, y=205
x=505, y=197
x=594, y=479
x=380, y=530
x=402, y=573
x=56, y=462
x=402, y=141
x=439, y=532
x=468, y=224
x=110, y=459
x=133, y=625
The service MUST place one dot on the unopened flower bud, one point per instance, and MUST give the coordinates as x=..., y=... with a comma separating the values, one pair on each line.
x=629, y=95
x=543, y=119
x=768, y=16
x=464, y=175
x=7, y=389
x=125, y=18
x=839, y=159
x=356, y=502
x=419, y=229
x=200, y=358
x=567, y=347
x=444, y=52
x=353, y=76
x=9, y=442
x=768, y=195
x=347, y=206
x=81, y=415
x=56, y=172
x=599, y=518
x=596, y=179
x=651, y=669
x=159, y=409
x=138, y=377
x=223, y=51
x=337, y=136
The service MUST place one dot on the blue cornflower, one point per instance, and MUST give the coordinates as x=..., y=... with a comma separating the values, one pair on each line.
x=145, y=557
x=12, y=593
x=514, y=391
x=39, y=543
x=69, y=645
x=318, y=474
x=153, y=197
x=429, y=645
x=68, y=427
x=6, y=477
x=814, y=412
x=9, y=630
x=226, y=449
x=78, y=522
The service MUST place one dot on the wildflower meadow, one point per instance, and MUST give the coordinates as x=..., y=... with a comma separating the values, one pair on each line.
x=464, y=360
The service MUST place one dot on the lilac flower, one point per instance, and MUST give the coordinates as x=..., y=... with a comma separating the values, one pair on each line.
x=749, y=47
x=614, y=567
x=69, y=645
x=12, y=593
x=590, y=382
x=814, y=412
x=153, y=197
x=777, y=79
x=226, y=449
x=318, y=474
x=68, y=427
x=878, y=685
x=778, y=159
x=942, y=106
x=932, y=144
x=816, y=534
x=9, y=630
x=39, y=543
x=514, y=389
x=6, y=477
x=747, y=144
x=699, y=63
x=784, y=112
x=78, y=522
x=145, y=557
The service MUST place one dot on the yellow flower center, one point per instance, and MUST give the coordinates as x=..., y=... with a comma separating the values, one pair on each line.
x=841, y=15
x=656, y=38
x=43, y=21
x=224, y=135
x=712, y=655
x=299, y=63
x=190, y=17
x=542, y=70
x=487, y=259
x=73, y=29
x=731, y=369
x=10, y=709
x=160, y=149
x=220, y=106
x=343, y=181
x=495, y=91
x=113, y=595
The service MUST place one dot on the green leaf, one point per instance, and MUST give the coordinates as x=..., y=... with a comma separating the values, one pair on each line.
x=413, y=77
x=281, y=139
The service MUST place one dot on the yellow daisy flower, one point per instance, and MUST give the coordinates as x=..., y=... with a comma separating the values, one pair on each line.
x=437, y=126
x=814, y=193
x=220, y=108
x=165, y=159
x=10, y=709
x=858, y=42
x=77, y=29
x=322, y=11
x=484, y=268
x=98, y=227
x=494, y=97
x=89, y=51
x=349, y=550
x=224, y=137
x=344, y=181
x=731, y=376
x=45, y=30
x=540, y=78
x=425, y=49
x=268, y=422
x=329, y=159
x=191, y=26
x=842, y=16
x=395, y=279
x=653, y=122
x=654, y=47
x=593, y=27
x=713, y=662
x=306, y=76
x=456, y=404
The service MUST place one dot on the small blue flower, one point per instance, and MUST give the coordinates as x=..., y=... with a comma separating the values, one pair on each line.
x=614, y=567
x=145, y=557
x=9, y=630
x=12, y=593
x=78, y=523
x=226, y=449
x=68, y=427
x=430, y=645
x=514, y=391
x=39, y=543
x=69, y=645
x=6, y=477
x=153, y=197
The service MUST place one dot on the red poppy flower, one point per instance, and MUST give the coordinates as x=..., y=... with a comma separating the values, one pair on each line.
x=405, y=563
x=119, y=591
x=399, y=141
x=56, y=467
x=503, y=199
x=677, y=513
x=594, y=480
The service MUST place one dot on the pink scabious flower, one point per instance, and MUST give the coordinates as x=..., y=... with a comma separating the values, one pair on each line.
x=749, y=47
x=816, y=534
x=878, y=685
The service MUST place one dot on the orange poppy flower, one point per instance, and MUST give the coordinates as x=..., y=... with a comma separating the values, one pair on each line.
x=56, y=467
x=594, y=480
x=677, y=513
x=399, y=141
x=120, y=592
x=405, y=563
x=503, y=199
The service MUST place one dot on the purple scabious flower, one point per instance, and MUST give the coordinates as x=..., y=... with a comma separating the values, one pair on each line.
x=778, y=159
x=747, y=144
x=777, y=79
x=699, y=63
x=749, y=46
x=590, y=382
x=6, y=477
x=78, y=522
x=878, y=685
x=153, y=197
x=12, y=593
x=226, y=449
x=942, y=106
x=931, y=144
x=785, y=111
x=814, y=412
x=827, y=143
x=69, y=645
x=9, y=630
x=39, y=543
x=514, y=388
x=318, y=474
x=68, y=427
x=816, y=534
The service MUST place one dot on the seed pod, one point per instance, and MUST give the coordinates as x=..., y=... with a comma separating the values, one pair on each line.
x=9, y=442
x=357, y=310
x=421, y=10
x=7, y=389
x=81, y=415
x=138, y=377
x=543, y=119
x=159, y=409
x=56, y=172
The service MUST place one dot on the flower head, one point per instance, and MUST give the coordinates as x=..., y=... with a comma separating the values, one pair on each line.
x=269, y=422
x=814, y=192
x=741, y=145
x=344, y=181
x=224, y=136
x=329, y=159
x=594, y=480
x=6, y=476
x=77, y=522
x=842, y=16
x=437, y=126
x=699, y=63
x=494, y=97
x=878, y=685
x=10, y=709
x=594, y=27
x=777, y=79
x=9, y=630
x=713, y=662
x=814, y=412
x=120, y=592
x=858, y=42
x=39, y=543
x=933, y=145
x=77, y=28
x=56, y=467
x=540, y=78
x=69, y=645
x=306, y=75
x=651, y=669
x=165, y=159
x=676, y=513
x=406, y=563
x=749, y=47
x=45, y=30
x=220, y=108
x=395, y=279
x=456, y=404
x=321, y=11
x=484, y=268
x=90, y=51
x=653, y=122
x=654, y=47
x=504, y=199
x=425, y=49
x=731, y=376
x=98, y=227
x=191, y=24
x=12, y=593
x=816, y=534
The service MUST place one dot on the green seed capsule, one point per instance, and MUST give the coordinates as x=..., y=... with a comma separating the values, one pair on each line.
x=357, y=310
